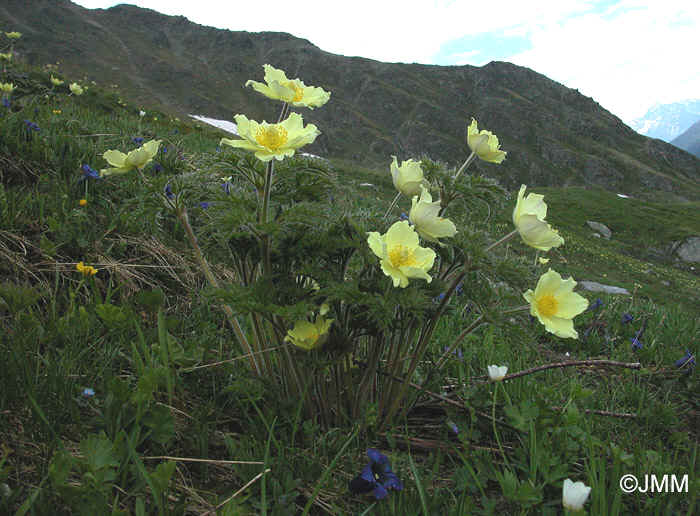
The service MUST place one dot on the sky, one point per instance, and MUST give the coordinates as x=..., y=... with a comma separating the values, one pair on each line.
x=628, y=55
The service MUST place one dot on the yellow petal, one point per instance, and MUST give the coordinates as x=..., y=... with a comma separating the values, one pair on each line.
x=115, y=158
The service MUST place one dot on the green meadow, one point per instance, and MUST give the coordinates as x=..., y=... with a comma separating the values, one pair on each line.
x=126, y=391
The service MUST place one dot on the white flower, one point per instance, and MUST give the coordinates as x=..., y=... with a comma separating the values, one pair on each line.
x=497, y=373
x=142, y=113
x=574, y=495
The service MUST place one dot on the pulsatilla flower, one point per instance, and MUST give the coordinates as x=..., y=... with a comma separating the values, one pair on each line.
x=497, y=373
x=555, y=304
x=293, y=91
x=528, y=217
x=400, y=254
x=76, y=89
x=376, y=476
x=408, y=177
x=136, y=159
x=13, y=35
x=273, y=141
x=86, y=270
x=425, y=219
x=307, y=335
x=574, y=495
x=55, y=81
x=484, y=144
x=7, y=87
x=6, y=57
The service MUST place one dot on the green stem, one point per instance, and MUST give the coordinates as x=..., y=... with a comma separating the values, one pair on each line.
x=493, y=421
x=474, y=325
x=393, y=203
x=264, y=214
x=520, y=308
x=502, y=240
x=182, y=215
x=465, y=164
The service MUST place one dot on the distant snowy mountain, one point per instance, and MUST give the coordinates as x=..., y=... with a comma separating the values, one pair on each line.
x=667, y=121
x=690, y=139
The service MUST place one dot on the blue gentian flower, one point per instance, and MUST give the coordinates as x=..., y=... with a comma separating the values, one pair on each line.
x=376, y=476
x=88, y=392
x=164, y=149
x=204, y=205
x=227, y=187
x=403, y=216
x=439, y=298
x=157, y=167
x=596, y=304
x=458, y=290
x=137, y=140
x=218, y=148
x=89, y=172
x=168, y=191
x=688, y=360
x=627, y=318
x=6, y=102
x=32, y=126
x=636, y=343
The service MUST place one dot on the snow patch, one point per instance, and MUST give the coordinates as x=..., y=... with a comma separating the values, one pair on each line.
x=225, y=125
x=624, y=196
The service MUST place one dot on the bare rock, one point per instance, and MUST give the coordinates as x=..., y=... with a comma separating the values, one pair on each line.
x=593, y=286
x=600, y=228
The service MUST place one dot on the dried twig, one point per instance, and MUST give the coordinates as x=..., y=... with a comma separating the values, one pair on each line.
x=210, y=461
x=234, y=495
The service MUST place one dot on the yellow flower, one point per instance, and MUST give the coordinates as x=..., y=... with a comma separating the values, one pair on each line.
x=308, y=336
x=13, y=35
x=294, y=91
x=543, y=261
x=56, y=82
x=86, y=270
x=137, y=158
x=484, y=144
x=555, y=304
x=424, y=216
x=6, y=57
x=7, y=87
x=408, y=177
x=270, y=141
x=528, y=217
x=401, y=256
x=82, y=202
x=76, y=89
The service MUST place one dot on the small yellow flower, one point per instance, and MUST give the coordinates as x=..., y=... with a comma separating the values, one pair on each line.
x=555, y=304
x=424, y=216
x=6, y=57
x=56, y=111
x=484, y=144
x=55, y=81
x=400, y=254
x=543, y=261
x=528, y=217
x=294, y=91
x=13, y=35
x=82, y=202
x=7, y=87
x=270, y=141
x=76, y=89
x=307, y=335
x=137, y=158
x=408, y=177
x=86, y=270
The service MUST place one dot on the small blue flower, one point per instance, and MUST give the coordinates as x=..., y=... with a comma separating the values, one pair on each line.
x=175, y=131
x=403, y=216
x=168, y=191
x=204, y=205
x=687, y=361
x=376, y=476
x=459, y=289
x=89, y=172
x=636, y=343
x=439, y=298
x=453, y=427
x=227, y=187
x=31, y=126
x=218, y=148
x=88, y=392
x=164, y=150
x=596, y=304
x=137, y=140
x=157, y=167
x=6, y=102
x=627, y=318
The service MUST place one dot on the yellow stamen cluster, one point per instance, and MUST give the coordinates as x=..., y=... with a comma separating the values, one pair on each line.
x=401, y=256
x=272, y=137
x=547, y=305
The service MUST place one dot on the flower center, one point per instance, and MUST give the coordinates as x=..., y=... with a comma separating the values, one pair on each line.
x=401, y=256
x=273, y=137
x=547, y=305
x=298, y=91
